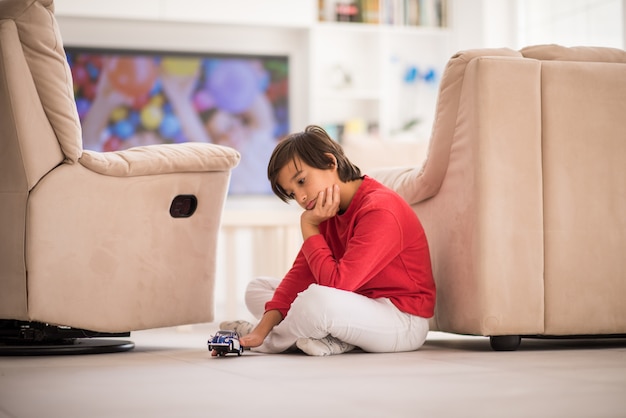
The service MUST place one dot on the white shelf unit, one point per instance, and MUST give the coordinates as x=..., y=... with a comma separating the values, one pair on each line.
x=375, y=75
x=343, y=82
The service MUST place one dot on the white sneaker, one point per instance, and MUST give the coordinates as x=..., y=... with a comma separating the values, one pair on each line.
x=242, y=328
x=326, y=346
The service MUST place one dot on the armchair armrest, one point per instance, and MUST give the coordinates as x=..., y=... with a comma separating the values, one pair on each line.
x=161, y=159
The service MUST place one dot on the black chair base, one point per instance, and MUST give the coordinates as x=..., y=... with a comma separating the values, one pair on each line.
x=19, y=338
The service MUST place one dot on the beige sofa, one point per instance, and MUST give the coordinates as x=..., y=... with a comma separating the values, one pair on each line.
x=523, y=193
x=95, y=241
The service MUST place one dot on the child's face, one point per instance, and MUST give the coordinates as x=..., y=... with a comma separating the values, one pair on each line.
x=304, y=183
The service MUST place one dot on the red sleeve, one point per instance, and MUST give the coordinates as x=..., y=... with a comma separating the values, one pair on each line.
x=298, y=278
x=376, y=240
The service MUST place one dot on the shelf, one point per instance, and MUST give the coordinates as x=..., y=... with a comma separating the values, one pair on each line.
x=358, y=27
x=390, y=13
x=384, y=75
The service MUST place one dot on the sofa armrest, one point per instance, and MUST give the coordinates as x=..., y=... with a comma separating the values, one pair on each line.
x=161, y=159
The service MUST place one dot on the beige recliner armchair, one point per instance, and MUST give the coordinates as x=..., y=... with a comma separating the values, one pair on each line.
x=523, y=194
x=107, y=242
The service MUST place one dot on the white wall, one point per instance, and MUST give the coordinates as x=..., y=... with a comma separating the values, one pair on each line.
x=572, y=22
x=248, y=12
x=484, y=23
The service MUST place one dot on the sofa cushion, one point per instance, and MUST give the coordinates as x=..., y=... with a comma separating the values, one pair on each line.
x=578, y=53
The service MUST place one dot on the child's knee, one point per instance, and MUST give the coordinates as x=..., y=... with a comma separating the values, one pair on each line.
x=262, y=284
x=258, y=292
x=312, y=302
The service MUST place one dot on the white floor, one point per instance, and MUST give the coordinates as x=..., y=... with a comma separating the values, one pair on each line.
x=171, y=374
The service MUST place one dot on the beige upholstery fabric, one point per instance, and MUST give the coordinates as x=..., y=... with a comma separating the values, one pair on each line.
x=92, y=244
x=578, y=53
x=23, y=117
x=584, y=180
x=103, y=251
x=525, y=210
x=418, y=183
x=43, y=50
x=162, y=159
x=28, y=150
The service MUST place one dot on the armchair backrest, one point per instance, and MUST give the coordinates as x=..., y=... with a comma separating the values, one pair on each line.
x=419, y=183
x=39, y=127
x=40, y=124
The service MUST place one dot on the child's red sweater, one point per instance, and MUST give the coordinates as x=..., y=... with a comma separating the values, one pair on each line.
x=377, y=248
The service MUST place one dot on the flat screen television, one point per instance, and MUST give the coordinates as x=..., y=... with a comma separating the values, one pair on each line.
x=128, y=98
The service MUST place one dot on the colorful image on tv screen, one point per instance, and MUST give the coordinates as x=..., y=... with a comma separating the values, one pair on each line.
x=127, y=99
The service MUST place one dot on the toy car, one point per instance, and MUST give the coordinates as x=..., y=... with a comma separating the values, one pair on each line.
x=225, y=342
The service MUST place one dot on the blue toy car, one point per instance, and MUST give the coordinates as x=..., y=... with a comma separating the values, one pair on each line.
x=225, y=342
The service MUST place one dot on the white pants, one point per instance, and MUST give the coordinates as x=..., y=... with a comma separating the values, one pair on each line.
x=374, y=325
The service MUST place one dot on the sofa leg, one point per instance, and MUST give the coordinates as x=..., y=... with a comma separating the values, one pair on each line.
x=505, y=342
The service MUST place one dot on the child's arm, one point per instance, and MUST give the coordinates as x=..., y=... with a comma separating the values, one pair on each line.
x=269, y=320
x=376, y=240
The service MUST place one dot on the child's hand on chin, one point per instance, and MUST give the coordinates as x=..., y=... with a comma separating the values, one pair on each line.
x=326, y=205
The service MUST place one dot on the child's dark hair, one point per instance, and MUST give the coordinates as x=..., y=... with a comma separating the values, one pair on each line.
x=312, y=147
